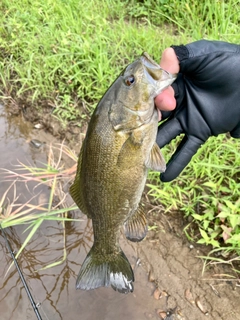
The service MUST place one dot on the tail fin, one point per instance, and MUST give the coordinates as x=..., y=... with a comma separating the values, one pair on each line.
x=99, y=271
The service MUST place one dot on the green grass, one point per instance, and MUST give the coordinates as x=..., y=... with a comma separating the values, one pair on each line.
x=68, y=52
x=65, y=54
x=216, y=19
x=207, y=190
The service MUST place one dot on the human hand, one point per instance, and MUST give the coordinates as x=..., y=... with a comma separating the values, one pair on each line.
x=166, y=101
x=203, y=101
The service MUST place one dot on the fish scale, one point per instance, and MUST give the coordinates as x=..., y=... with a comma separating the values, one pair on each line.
x=116, y=154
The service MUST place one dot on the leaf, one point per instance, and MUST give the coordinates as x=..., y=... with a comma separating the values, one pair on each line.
x=206, y=224
x=211, y=185
x=226, y=232
x=234, y=220
x=235, y=240
x=197, y=216
x=202, y=241
x=29, y=237
x=229, y=205
x=215, y=243
x=204, y=235
x=223, y=214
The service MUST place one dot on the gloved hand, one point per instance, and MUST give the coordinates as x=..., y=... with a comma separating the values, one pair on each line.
x=207, y=93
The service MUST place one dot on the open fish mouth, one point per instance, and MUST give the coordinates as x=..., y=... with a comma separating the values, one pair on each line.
x=155, y=75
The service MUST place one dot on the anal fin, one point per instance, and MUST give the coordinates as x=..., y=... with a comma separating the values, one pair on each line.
x=136, y=226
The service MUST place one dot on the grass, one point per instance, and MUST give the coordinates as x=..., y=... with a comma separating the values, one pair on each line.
x=65, y=54
x=208, y=191
x=210, y=19
x=54, y=175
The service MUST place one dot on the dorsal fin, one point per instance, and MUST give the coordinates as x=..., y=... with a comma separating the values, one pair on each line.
x=75, y=189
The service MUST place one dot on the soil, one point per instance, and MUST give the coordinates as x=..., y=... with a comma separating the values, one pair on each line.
x=169, y=279
x=174, y=266
x=44, y=117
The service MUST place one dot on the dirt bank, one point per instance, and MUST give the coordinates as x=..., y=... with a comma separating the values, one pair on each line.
x=45, y=118
x=174, y=267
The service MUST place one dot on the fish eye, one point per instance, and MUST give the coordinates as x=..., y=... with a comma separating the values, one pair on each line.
x=129, y=80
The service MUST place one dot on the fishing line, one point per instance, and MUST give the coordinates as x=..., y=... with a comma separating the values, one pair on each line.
x=34, y=305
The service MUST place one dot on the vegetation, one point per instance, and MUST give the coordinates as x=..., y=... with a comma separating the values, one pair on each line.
x=65, y=54
x=13, y=213
x=208, y=191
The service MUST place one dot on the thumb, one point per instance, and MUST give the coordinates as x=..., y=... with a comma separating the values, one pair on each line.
x=182, y=156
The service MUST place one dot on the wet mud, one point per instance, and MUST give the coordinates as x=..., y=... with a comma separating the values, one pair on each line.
x=169, y=283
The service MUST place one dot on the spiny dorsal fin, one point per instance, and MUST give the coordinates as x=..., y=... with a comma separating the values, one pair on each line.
x=156, y=161
x=75, y=189
x=136, y=226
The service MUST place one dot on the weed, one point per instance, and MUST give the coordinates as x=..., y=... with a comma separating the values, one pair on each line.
x=13, y=213
x=71, y=62
x=69, y=52
x=207, y=190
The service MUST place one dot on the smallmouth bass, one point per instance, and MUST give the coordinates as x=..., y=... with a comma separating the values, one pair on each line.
x=118, y=149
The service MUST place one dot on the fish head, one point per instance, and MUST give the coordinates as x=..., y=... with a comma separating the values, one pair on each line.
x=137, y=86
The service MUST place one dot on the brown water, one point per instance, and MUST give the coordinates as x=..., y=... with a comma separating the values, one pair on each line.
x=165, y=256
x=54, y=288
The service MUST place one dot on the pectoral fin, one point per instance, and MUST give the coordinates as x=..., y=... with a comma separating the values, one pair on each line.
x=128, y=155
x=156, y=161
x=136, y=226
x=75, y=189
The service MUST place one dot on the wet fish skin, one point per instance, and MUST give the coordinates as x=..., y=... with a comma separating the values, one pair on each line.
x=118, y=149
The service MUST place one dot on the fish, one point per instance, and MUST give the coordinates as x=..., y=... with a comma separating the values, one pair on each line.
x=118, y=149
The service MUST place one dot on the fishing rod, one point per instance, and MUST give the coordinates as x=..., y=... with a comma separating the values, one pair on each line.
x=35, y=308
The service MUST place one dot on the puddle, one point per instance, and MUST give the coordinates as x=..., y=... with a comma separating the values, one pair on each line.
x=165, y=254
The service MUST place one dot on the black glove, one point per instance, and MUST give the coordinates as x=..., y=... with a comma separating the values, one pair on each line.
x=207, y=91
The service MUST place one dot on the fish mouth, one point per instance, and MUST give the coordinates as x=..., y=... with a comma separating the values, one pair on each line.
x=155, y=75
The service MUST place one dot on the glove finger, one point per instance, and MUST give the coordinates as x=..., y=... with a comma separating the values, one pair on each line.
x=186, y=149
x=236, y=132
x=165, y=114
x=168, y=131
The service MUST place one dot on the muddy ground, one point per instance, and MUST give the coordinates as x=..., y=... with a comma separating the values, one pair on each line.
x=175, y=268
x=169, y=283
